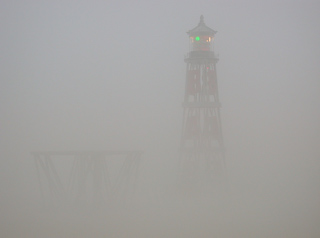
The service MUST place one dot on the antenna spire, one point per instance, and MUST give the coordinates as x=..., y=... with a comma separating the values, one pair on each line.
x=201, y=20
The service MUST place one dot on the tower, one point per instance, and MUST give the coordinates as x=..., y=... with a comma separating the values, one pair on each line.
x=202, y=149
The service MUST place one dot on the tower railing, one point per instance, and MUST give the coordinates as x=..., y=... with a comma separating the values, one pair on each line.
x=201, y=54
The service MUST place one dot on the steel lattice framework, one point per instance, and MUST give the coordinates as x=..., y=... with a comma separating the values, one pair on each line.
x=90, y=178
x=202, y=148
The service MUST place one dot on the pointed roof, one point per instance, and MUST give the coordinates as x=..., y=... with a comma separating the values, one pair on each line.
x=201, y=29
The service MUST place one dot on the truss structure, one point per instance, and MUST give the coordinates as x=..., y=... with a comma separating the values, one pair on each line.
x=82, y=178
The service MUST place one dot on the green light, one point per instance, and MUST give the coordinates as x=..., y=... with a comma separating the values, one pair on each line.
x=197, y=38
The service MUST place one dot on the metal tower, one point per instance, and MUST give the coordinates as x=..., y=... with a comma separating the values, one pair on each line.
x=202, y=149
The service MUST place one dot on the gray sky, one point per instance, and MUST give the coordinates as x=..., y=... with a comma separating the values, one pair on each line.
x=110, y=74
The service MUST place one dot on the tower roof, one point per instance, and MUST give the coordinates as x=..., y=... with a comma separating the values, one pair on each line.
x=201, y=29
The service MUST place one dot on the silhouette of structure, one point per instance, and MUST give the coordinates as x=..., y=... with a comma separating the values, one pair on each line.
x=202, y=149
x=90, y=178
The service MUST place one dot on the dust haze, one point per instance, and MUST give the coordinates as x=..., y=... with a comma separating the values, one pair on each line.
x=110, y=75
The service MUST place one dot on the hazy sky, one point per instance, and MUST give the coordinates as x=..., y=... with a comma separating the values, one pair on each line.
x=110, y=75
x=89, y=70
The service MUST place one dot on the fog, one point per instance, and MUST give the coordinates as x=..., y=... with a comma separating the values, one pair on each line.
x=110, y=75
